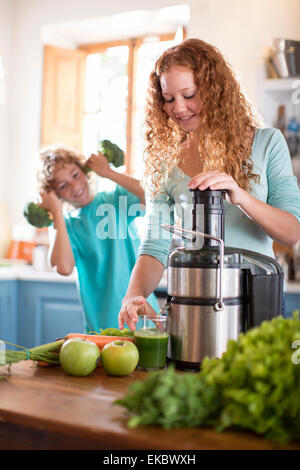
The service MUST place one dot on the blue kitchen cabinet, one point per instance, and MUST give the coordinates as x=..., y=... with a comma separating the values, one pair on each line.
x=8, y=311
x=47, y=311
x=292, y=303
x=37, y=312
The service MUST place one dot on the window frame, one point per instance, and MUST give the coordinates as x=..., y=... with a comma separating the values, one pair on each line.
x=133, y=44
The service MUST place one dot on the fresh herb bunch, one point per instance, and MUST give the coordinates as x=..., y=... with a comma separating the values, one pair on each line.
x=36, y=215
x=255, y=386
x=113, y=332
x=170, y=400
x=116, y=332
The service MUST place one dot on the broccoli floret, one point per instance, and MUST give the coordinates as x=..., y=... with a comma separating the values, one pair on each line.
x=36, y=215
x=112, y=152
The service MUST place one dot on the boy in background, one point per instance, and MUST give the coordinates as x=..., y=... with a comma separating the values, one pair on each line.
x=98, y=235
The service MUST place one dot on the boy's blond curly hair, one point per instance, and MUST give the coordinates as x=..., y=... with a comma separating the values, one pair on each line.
x=53, y=157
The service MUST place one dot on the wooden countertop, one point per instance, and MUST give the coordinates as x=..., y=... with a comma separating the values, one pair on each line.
x=44, y=408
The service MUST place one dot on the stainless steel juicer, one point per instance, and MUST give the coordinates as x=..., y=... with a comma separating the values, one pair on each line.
x=215, y=292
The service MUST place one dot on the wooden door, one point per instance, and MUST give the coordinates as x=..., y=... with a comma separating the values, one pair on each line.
x=63, y=97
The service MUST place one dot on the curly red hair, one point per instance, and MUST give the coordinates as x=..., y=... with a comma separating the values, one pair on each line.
x=227, y=119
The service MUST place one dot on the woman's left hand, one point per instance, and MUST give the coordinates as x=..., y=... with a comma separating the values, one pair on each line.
x=215, y=180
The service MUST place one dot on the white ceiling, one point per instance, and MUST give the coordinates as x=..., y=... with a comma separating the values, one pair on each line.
x=120, y=26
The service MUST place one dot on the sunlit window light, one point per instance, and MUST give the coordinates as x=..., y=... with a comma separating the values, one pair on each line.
x=107, y=95
x=179, y=35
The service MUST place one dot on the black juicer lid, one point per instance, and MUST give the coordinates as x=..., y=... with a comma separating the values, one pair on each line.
x=208, y=196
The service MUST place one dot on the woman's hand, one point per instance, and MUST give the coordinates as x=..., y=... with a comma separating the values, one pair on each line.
x=99, y=164
x=131, y=309
x=50, y=202
x=278, y=224
x=215, y=180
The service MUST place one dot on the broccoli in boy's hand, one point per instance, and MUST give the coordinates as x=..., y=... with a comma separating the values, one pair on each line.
x=36, y=215
x=112, y=152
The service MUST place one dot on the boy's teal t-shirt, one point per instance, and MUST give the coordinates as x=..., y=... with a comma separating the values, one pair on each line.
x=105, y=243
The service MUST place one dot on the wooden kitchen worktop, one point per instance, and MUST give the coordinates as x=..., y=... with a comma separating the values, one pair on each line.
x=44, y=408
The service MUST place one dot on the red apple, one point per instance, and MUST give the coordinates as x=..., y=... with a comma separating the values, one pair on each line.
x=119, y=357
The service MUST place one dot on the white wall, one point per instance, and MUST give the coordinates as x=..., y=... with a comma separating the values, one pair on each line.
x=244, y=30
x=6, y=10
x=240, y=28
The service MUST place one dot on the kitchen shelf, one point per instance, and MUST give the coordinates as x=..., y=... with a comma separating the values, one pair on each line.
x=274, y=92
x=281, y=84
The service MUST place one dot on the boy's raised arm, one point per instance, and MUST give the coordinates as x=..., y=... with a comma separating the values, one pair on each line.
x=98, y=163
x=60, y=250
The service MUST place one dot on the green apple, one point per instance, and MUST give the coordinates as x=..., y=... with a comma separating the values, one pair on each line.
x=79, y=357
x=119, y=357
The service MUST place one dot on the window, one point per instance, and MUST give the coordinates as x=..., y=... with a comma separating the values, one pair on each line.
x=106, y=91
x=116, y=82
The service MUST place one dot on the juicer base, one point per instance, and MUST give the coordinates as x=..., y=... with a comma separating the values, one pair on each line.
x=184, y=365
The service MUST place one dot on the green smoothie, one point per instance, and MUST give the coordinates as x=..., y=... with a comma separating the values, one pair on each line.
x=152, y=345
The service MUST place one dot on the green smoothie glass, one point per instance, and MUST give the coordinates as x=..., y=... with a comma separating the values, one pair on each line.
x=151, y=338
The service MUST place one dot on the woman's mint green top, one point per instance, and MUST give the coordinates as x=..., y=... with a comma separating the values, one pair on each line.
x=105, y=242
x=277, y=187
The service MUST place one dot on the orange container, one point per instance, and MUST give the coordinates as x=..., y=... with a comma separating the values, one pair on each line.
x=21, y=250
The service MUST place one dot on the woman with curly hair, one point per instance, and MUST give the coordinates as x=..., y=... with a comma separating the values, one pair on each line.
x=202, y=133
